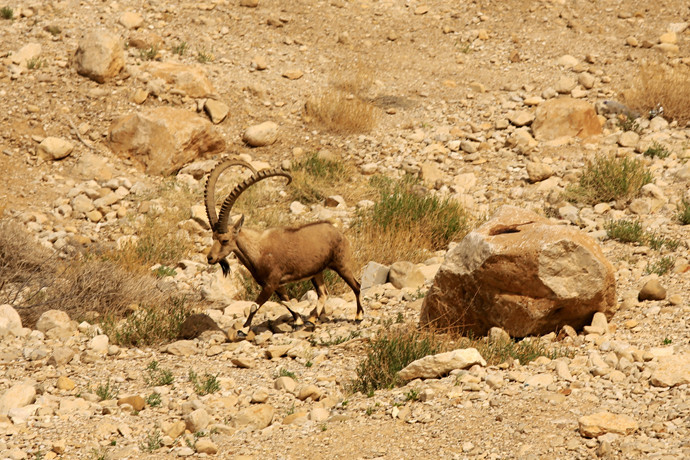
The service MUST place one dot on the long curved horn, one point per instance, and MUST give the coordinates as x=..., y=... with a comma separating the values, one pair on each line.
x=222, y=225
x=209, y=192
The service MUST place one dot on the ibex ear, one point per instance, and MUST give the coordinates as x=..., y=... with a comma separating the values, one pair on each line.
x=238, y=224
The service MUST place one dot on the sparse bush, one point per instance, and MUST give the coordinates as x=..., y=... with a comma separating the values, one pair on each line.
x=628, y=124
x=148, y=54
x=6, y=12
x=684, y=212
x=153, y=400
x=405, y=224
x=658, y=242
x=152, y=442
x=35, y=63
x=157, y=376
x=148, y=325
x=342, y=112
x=625, y=231
x=525, y=350
x=657, y=150
x=210, y=383
x=661, y=266
x=203, y=56
x=180, y=48
x=315, y=177
x=107, y=391
x=53, y=30
x=287, y=373
x=659, y=86
x=388, y=353
x=608, y=178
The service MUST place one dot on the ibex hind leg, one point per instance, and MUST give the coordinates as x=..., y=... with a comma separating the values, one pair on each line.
x=321, y=293
x=347, y=276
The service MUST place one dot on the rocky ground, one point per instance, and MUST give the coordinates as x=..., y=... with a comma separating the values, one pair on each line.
x=457, y=87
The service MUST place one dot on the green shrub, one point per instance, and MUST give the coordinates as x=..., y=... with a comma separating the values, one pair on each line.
x=406, y=224
x=107, y=391
x=608, y=178
x=210, y=383
x=661, y=266
x=388, y=353
x=525, y=350
x=625, y=231
x=157, y=376
x=6, y=12
x=684, y=212
x=657, y=150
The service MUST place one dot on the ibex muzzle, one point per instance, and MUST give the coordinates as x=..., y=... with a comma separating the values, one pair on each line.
x=278, y=256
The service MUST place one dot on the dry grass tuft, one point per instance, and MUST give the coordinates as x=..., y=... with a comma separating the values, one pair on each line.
x=659, y=85
x=33, y=280
x=342, y=112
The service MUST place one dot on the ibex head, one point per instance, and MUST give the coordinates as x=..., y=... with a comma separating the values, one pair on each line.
x=225, y=239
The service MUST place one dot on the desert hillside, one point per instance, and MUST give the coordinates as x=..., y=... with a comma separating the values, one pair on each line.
x=407, y=125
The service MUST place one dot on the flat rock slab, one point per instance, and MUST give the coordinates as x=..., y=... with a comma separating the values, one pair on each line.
x=672, y=371
x=434, y=366
x=595, y=425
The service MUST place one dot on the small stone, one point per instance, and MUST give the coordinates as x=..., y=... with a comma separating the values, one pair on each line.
x=293, y=74
x=216, y=110
x=668, y=37
x=173, y=429
x=205, y=446
x=567, y=61
x=586, y=80
x=309, y=391
x=285, y=384
x=257, y=417
x=260, y=396
x=565, y=85
x=538, y=172
x=652, y=290
x=672, y=371
x=628, y=139
x=262, y=134
x=54, y=148
x=521, y=117
x=136, y=401
x=197, y=420
x=319, y=414
x=131, y=20
x=249, y=3
x=259, y=63
x=99, y=344
x=65, y=383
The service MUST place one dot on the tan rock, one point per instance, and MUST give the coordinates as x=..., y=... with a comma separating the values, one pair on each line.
x=260, y=135
x=164, y=139
x=136, y=401
x=652, y=290
x=206, y=446
x=197, y=420
x=65, y=383
x=595, y=425
x=520, y=272
x=405, y=274
x=100, y=56
x=285, y=384
x=672, y=371
x=565, y=116
x=257, y=417
x=216, y=110
x=17, y=396
x=54, y=148
x=173, y=429
x=192, y=80
x=537, y=171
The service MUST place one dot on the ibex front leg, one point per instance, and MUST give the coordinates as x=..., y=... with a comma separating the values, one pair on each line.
x=264, y=295
x=296, y=317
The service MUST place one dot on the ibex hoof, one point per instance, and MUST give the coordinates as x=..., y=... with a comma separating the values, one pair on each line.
x=309, y=326
x=241, y=335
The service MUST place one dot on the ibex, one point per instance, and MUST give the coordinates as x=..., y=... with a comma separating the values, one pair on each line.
x=277, y=256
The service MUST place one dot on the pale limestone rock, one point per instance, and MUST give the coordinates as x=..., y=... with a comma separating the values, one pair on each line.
x=197, y=420
x=17, y=396
x=595, y=425
x=205, y=446
x=61, y=356
x=182, y=348
x=260, y=135
x=131, y=20
x=434, y=366
x=54, y=148
x=285, y=383
x=628, y=139
x=53, y=319
x=10, y=321
x=374, y=274
x=191, y=80
x=100, y=56
x=405, y=275
x=257, y=417
x=537, y=171
x=521, y=117
x=672, y=371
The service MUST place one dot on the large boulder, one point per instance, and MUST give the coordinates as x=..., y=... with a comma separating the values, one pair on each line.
x=100, y=56
x=565, y=117
x=164, y=139
x=192, y=80
x=523, y=274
